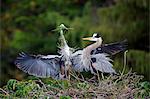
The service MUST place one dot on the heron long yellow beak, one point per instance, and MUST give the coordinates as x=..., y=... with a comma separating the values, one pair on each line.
x=88, y=38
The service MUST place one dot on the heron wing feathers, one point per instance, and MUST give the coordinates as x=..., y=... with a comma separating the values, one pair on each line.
x=77, y=64
x=50, y=56
x=101, y=63
x=112, y=48
x=38, y=66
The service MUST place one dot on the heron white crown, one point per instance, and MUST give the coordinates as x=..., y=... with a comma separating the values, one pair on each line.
x=96, y=35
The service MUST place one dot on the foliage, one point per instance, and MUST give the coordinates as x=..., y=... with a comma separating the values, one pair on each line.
x=65, y=97
x=83, y=85
x=114, y=86
x=20, y=89
x=145, y=88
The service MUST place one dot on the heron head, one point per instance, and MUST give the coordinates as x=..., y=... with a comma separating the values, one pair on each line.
x=95, y=37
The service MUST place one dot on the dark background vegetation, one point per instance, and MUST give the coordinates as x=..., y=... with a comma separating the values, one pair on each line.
x=26, y=25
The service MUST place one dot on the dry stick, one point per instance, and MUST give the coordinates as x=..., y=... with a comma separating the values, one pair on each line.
x=39, y=80
x=91, y=79
x=60, y=85
x=4, y=91
x=94, y=93
x=50, y=92
x=109, y=77
x=124, y=65
x=57, y=89
x=79, y=79
x=76, y=76
x=98, y=77
x=125, y=61
x=102, y=76
x=82, y=76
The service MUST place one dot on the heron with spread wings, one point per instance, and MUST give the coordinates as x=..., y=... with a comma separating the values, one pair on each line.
x=94, y=57
x=55, y=66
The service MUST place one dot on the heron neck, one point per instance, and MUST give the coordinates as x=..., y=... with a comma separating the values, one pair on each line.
x=62, y=37
x=89, y=48
x=86, y=55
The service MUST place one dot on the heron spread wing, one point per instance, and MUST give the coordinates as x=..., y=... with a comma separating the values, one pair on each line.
x=77, y=63
x=98, y=62
x=102, y=62
x=39, y=65
x=111, y=49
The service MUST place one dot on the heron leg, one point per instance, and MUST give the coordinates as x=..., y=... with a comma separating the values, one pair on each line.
x=102, y=75
x=98, y=76
x=68, y=73
x=62, y=72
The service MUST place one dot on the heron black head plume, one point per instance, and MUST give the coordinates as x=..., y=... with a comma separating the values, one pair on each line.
x=96, y=35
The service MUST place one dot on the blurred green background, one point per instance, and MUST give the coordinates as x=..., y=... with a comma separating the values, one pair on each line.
x=26, y=25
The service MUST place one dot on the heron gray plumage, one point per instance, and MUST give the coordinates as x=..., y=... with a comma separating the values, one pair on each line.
x=88, y=61
x=55, y=66
x=39, y=65
x=93, y=58
x=66, y=53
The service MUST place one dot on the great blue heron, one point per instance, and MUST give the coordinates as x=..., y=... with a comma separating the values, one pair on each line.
x=92, y=58
x=55, y=66
x=95, y=56
x=66, y=54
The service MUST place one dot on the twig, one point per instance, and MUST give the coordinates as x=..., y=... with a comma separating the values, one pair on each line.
x=125, y=59
x=82, y=77
x=57, y=89
x=77, y=77
x=39, y=80
x=50, y=92
x=60, y=85
x=91, y=79
x=98, y=76
x=6, y=93
x=109, y=77
x=102, y=76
